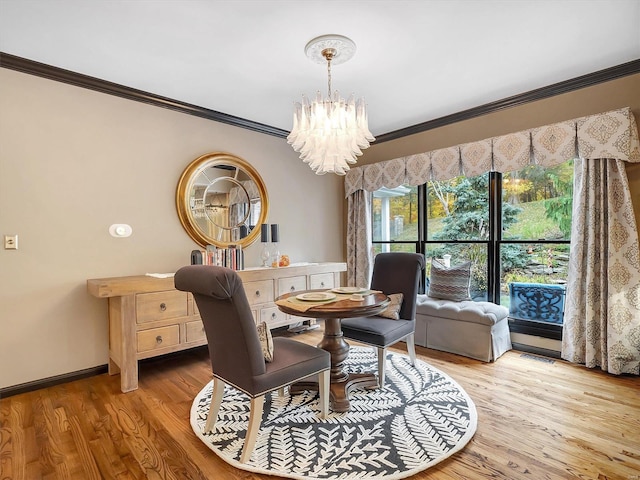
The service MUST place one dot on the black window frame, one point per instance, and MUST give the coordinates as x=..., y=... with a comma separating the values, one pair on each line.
x=494, y=243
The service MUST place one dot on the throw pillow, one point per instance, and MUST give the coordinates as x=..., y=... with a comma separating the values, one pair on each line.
x=393, y=310
x=266, y=341
x=450, y=283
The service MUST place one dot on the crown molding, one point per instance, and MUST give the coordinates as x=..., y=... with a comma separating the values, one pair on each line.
x=577, y=83
x=85, y=81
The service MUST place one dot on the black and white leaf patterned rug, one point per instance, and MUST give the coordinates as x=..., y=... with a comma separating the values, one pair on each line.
x=418, y=419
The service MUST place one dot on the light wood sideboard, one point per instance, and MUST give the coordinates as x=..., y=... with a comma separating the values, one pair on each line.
x=149, y=317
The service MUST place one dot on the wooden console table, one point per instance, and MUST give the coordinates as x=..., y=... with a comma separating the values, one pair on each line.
x=149, y=317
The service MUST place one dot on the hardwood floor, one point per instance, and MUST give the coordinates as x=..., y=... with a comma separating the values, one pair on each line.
x=536, y=420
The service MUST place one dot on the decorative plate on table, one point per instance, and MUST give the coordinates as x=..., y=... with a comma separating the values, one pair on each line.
x=349, y=290
x=316, y=296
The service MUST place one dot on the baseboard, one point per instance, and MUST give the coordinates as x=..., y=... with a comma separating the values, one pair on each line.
x=80, y=374
x=545, y=352
x=51, y=381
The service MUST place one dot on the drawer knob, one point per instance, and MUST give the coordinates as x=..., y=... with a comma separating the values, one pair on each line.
x=163, y=307
x=273, y=316
x=159, y=339
x=257, y=293
x=322, y=284
x=293, y=289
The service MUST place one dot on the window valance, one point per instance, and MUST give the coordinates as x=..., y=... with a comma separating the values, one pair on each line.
x=612, y=134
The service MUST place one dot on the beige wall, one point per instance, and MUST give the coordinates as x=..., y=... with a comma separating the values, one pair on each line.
x=73, y=162
x=623, y=92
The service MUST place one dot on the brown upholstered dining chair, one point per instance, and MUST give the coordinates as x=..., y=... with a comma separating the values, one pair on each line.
x=394, y=272
x=235, y=351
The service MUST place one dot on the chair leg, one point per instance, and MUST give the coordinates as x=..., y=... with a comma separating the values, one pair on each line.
x=411, y=348
x=214, y=407
x=255, y=417
x=323, y=383
x=281, y=392
x=382, y=355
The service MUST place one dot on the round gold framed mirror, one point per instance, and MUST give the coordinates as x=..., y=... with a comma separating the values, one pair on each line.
x=222, y=201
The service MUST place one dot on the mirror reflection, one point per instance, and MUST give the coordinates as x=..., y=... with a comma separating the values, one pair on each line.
x=221, y=200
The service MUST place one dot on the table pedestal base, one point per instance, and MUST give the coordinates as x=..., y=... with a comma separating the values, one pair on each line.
x=341, y=381
x=339, y=391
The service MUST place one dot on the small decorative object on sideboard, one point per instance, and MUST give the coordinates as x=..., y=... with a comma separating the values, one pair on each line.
x=275, y=256
x=275, y=233
x=265, y=254
x=275, y=251
x=196, y=257
x=284, y=261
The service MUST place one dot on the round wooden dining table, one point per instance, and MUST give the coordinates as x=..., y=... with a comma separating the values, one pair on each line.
x=342, y=381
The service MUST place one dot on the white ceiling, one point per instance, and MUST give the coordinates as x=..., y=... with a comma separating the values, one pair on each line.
x=416, y=60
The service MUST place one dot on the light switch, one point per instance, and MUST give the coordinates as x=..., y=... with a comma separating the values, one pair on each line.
x=11, y=242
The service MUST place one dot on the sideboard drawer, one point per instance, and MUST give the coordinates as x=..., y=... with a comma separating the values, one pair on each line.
x=160, y=305
x=291, y=284
x=259, y=292
x=321, y=280
x=273, y=316
x=158, y=338
x=195, y=331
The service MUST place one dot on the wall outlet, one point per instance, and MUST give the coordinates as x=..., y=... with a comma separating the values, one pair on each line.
x=11, y=242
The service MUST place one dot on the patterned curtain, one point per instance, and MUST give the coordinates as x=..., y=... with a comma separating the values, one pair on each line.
x=359, y=261
x=389, y=174
x=512, y=152
x=602, y=315
x=606, y=135
x=554, y=144
x=418, y=169
x=445, y=163
x=476, y=158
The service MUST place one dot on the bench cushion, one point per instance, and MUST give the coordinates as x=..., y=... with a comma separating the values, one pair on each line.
x=485, y=313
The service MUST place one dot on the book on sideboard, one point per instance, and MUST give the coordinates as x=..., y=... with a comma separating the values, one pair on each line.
x=231, y=257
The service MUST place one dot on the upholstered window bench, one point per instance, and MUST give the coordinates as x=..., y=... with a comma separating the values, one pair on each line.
x=477, y=330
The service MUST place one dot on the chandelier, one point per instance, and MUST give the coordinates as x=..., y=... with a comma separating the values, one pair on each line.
x=330, y=133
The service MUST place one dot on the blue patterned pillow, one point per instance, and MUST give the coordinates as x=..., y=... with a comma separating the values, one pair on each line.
x=450, y=283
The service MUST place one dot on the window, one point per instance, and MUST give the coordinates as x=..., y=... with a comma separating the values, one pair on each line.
x=458, y=226
x=534, y=249
x=513, y=228
x=395, y=219
x=536, y=203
